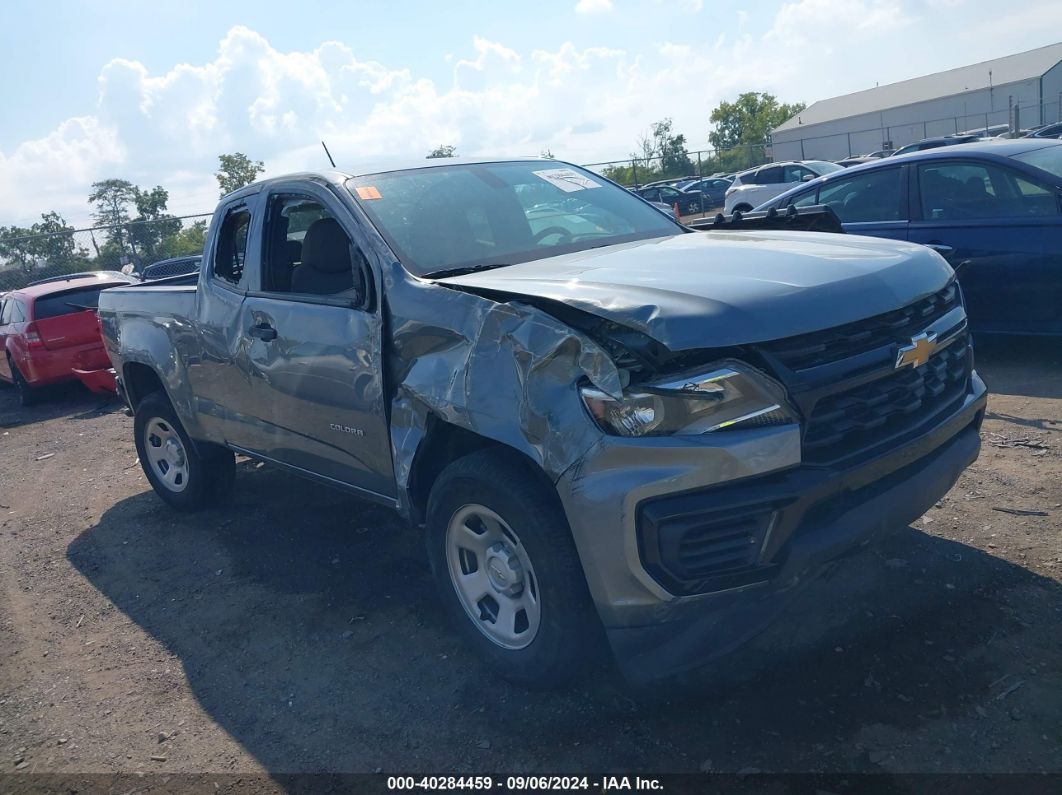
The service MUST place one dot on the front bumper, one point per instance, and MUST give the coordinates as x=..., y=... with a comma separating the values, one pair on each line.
x=818, y=514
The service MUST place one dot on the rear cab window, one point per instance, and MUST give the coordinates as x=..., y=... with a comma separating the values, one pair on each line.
x=230, y=252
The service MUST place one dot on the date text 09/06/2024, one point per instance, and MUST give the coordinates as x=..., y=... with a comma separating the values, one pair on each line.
x=516, y=783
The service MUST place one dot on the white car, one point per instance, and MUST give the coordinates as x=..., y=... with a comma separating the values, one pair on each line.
x=754, y=187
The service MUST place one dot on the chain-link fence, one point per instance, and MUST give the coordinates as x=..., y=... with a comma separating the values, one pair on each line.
x=26, y=258
x=891, y=134
x=637, y=172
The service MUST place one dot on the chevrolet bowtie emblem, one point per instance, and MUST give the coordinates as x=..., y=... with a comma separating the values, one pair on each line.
x=918, y=352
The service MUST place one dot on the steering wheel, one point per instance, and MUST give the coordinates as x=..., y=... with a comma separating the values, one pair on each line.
x=565, y=235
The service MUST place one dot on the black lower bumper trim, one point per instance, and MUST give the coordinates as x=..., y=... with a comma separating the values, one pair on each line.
x=826, y=517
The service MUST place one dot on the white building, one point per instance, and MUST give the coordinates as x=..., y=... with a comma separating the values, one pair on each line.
x=957, y=100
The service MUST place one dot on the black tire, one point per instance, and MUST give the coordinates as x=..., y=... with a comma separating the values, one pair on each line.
x=207, y=470
x=743, y=208
x=569, y=637
x=27, y=395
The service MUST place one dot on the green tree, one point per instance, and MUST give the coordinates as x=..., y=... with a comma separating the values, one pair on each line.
x=16, y=247
x=111, y=199
x=661, y=154
x=446, y=150
x=746, y=123
x=671, y=149
x=237, y=170
x=53, y=243
x=190, y=240
x=152, y=224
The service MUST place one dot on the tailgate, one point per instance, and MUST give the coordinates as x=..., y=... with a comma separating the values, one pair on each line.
x=64, y=331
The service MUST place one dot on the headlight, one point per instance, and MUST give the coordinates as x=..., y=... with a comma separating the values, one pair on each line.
x=729, y=396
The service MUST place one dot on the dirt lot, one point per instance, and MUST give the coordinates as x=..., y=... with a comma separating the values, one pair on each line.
x=296, y=629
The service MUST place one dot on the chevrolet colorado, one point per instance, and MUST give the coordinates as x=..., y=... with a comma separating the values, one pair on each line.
x=610, y=426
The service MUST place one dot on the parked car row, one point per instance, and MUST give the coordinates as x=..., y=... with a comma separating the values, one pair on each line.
x=757, y=185
x=49, y=332
x=691, y=194
x=993, y=209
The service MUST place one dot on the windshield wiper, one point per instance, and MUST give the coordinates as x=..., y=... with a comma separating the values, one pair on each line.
x=467, y=269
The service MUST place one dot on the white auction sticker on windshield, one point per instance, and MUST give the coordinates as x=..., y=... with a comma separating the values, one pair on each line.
x=567, y=179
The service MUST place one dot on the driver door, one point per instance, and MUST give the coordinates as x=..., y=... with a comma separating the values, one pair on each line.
x=315, y=352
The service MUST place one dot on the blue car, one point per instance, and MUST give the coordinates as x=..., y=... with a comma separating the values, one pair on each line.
x=993, y=209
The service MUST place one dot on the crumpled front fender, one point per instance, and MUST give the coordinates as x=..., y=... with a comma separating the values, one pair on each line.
x=505, y=371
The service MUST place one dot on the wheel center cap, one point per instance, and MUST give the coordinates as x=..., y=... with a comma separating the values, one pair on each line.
x=504, y=571
x=174, y=452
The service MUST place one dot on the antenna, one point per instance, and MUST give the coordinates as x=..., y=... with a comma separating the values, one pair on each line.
x=330, y=160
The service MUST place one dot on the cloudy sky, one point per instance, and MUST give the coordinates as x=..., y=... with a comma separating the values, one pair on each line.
x=153, y=92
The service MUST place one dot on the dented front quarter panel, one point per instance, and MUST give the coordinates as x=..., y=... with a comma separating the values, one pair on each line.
x=506, y=371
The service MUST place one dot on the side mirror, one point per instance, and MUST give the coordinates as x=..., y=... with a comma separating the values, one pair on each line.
x=807, y=178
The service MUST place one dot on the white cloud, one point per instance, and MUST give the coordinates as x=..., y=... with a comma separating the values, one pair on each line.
x=593, y=6
x=586, y=104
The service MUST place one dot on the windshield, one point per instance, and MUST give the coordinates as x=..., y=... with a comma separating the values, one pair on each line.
x=446, y=219
x=1049, y=159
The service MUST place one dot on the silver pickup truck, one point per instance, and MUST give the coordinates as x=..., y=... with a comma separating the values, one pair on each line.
x=614, y=430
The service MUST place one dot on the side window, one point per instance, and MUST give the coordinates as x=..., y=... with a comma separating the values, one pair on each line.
x=231, y=248
x=957, y=191
x=1032, y=198
x=803, y=200
x=795, y=173
x=770, y=175
x=871, y=196
x=308, y=252
x=5, y=311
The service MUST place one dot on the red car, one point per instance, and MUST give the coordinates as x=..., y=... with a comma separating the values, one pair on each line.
x=49, y=333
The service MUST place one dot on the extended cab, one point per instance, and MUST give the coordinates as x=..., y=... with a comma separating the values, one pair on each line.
x=602, y=419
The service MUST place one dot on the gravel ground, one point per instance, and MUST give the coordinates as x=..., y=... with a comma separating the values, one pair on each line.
x=295, y=630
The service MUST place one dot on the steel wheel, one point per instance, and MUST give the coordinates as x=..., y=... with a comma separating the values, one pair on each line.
x=493, y=577
x=166, y=454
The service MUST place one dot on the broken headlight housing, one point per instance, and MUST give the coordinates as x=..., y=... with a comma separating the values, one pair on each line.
x=728, y=396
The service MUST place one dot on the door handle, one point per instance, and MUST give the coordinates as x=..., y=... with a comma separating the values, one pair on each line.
x=263, y=331
x=941, y=248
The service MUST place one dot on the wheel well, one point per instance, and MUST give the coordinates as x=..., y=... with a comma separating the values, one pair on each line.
x=140, y=381
x=742, y=208
x=443, y=444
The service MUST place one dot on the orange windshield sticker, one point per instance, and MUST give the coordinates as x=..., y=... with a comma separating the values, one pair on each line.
x=368, y=192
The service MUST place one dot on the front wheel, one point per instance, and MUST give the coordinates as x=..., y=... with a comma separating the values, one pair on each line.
x=508, y=571
x=186, y=476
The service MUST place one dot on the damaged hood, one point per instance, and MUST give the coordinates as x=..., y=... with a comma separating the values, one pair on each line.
x=718, y=289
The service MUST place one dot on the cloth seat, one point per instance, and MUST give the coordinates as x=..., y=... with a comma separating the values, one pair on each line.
x=326, y=267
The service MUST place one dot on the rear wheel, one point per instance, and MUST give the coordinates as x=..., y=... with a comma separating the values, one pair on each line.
x=508, y=572
x=743, y=208
x=187, y=476
x=27, y=395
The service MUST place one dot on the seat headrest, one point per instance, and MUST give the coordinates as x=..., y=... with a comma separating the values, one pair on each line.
x=326, y=247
